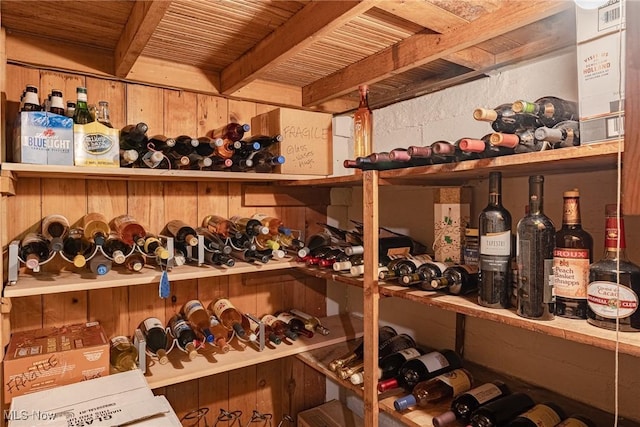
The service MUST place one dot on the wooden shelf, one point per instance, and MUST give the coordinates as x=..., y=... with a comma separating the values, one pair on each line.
x=420, y=417
x=67, y=281
x=572, y=330
x=181, y=369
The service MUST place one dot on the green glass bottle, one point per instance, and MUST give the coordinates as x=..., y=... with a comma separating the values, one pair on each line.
x=82, y=116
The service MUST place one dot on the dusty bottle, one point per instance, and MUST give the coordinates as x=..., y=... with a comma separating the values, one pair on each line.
x=182, y=232
x=34, y=249
x=123, y=355
x=363, y=125
x=230, y=317
x=549, y=110
x=443, y=386
x=156, y=338
x=196, y=314
x=54, y=229
x=465, y=404
x=563, y=134
x=184, y=335
x=96, y=227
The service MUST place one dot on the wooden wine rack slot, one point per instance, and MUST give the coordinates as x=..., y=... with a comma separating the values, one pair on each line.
x=67, y=281
x=568, y=329
x=180, y=369
x=420, y=417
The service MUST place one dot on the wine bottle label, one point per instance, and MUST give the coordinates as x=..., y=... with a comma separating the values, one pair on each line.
x=442, y=265
x=496, y=243
x=120, y=339
x=485, y=392
x=269, y=319
x=549, y=293
x=285, y=317
x=191, y=307
x=471, y=269
x=494, y=263
x=570, y=272
x=221, y=305
x=409, y=353
x=572, y=422
x=611, y=300
x=458, y=380
x=179, y=326
x=434, y=361
x=260, y=217
x=151, y=323
x=542, y=416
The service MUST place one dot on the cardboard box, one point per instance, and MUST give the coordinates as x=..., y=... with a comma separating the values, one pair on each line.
x=593, y=23
x=307, y=144
x=43, y=138
x=452, y=213
x=599, y=76
x=96, y=145
x=330, y=414
x=45, y=358
x=120, y=399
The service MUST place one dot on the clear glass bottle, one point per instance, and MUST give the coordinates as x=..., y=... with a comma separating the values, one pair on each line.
x=96, y=227
x=102, y=114
x=436, y=389
x=197, y=315
x=123, y=355
x=363, y=125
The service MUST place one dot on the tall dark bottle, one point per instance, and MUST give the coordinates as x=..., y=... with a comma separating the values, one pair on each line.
x=156, y=338
x=549, y=110
x=535, y=242
x=542, y=415
x=495, y=249
x=572, y=256
x=463, y=405
x=614, y=281
x=422, y=368
x=499, y=412
x=185, y=336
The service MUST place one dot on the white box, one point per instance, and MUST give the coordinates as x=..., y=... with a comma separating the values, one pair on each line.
x=118, y=399
x=592, y=23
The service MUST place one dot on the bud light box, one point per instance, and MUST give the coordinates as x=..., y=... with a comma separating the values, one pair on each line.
x=96, y=145
x=43, y=138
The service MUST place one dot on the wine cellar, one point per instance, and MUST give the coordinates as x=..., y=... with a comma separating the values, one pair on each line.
x=189, y=67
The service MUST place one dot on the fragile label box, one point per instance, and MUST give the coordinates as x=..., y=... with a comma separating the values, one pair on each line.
x=96, y=145
x=307, y=139
x=50, y=357
x=43, y=138
x=452, y=213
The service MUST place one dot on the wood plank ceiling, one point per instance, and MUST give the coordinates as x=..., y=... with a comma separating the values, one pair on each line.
x=317, y=52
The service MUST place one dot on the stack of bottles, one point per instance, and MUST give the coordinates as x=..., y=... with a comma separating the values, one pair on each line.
x=519, y=127
x=98, y=244
x=196, y=327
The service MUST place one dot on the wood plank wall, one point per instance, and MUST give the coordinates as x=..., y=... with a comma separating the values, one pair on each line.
x=283, y=386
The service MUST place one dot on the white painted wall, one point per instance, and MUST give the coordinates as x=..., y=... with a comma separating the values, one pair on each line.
x=578, y=371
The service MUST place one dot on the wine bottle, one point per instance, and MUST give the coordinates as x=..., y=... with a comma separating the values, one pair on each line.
x=123, y=355
x=129, y=229
x=353, y=260
x=296, y=324
x=76, y=248
x=128, y=158
x=100, y=264
x=251, y=255
x=577, y=420
x=311, y=323
x=135, y=262
x=269, y=333
x=115, y=248
x=134, y=137
x=393, y=345
x=363, y=125
x=230, y=317
x=156, y=338
x=549, y=110
x=153, y=247
x=221, y=334
x=572, y=255
x=331, y=257
x=274, y=225
x=54, y=228
x=385, y=333
x=162, y=143
x=535, y=243
x=265, y=141
x=264, y=161
x=292, y=245
x=251, y=227
x=153, y=159
x=231, y=131
x=245, y=149
x=422, y=368
x=219, y=258
x=184, y=335
x=457, y=280
x=483, y=147
x=181, y=232
x=279, y=327
x=391, y=363
x=424, y=274
x=541, y=415
x=443, y=386
x=563, y=134
x=500, y=411
x=34, y=249
x=196, y=314
x=437, y=152
x=212, y=242
x=504, y=118
x=614, y=281
x=96, y=227
x=207, y=146
x=465, y=404
x=403, y=266
x=495, y=249
x=523, y=141
x=220, y=226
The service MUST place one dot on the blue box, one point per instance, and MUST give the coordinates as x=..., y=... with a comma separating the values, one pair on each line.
x=43, y=138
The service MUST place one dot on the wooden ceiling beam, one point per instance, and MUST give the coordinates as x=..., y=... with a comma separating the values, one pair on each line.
x=423, y=48
x=143, y=20
x=315, y=20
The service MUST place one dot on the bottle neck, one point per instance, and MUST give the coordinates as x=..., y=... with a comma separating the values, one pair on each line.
x=364, y=99
x=571, y=212
x=495, y=190
x=535, y=197
x=614, y=241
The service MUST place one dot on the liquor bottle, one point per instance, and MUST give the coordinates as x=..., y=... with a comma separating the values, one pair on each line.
x=541, y=415
x=535, y=243
x=424, y=274
x=457, y=280
x=504, y=118
x=196, y=314
x=279, y=327
x=311, y=323
x=181, y=232
x=495, y=249
x=251, y=227
x=577, y=420
x=614, y=281
x=422, y=368
x=443, y=386
x=563, y=134
x=221, y=335
x=100, y=264
x=230, y=131
x=269, y=333
x=207, y=146
x=184, y=335
x=465, y=404
x=128, y=158
x=294, y=323
x=81, y=115
x=385, y=333
x=31, y=101
x=572, y=255
x=230, y=317
x=403, y=266
x=212, y=242
x=54, y=228
x=153, y=247
x=500, y=411
x=483, y=147
x=523, y=141
x=102, y=114
x=156, y=338
x=115, y=248
x=549, y=110
x=135, y=262
x=57, y=104
x=96, y=227
x=123, y=355
x=34, y=249
x=134, y=137
x=76, y=248
x=129, y=229
x=363, y=125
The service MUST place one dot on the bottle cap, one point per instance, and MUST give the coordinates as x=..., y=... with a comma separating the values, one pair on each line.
x=279, y=160
x=485, y=114
x=387, y=384
x=571, y=193
x=354, y=250
x=157, y=156
x=79, y=261
x=118, y=257
x=405, y=402
x=228, y=163
x=264, y=230
x=357, y=378
x=303, y=252
x=399, y=156
x=137, y=266
x=472, y=145
x=444, y=419
x=255, y=146
x=218, y=142
x=32, y=263
x=284, y=230
x=246, y=127
x=343, y=265
x=504, y=140
x=101, y=270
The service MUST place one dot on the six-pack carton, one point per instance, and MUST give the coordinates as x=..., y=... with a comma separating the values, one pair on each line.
x=96, y=145
x=45, y=358
x=43, y=138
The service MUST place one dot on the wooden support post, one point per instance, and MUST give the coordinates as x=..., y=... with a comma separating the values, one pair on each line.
x=371, y=297
x=631, y=177
x=460, y=325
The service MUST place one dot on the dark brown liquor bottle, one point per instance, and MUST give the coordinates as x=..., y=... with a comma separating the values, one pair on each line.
x=614, y=281
x=572, y=256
